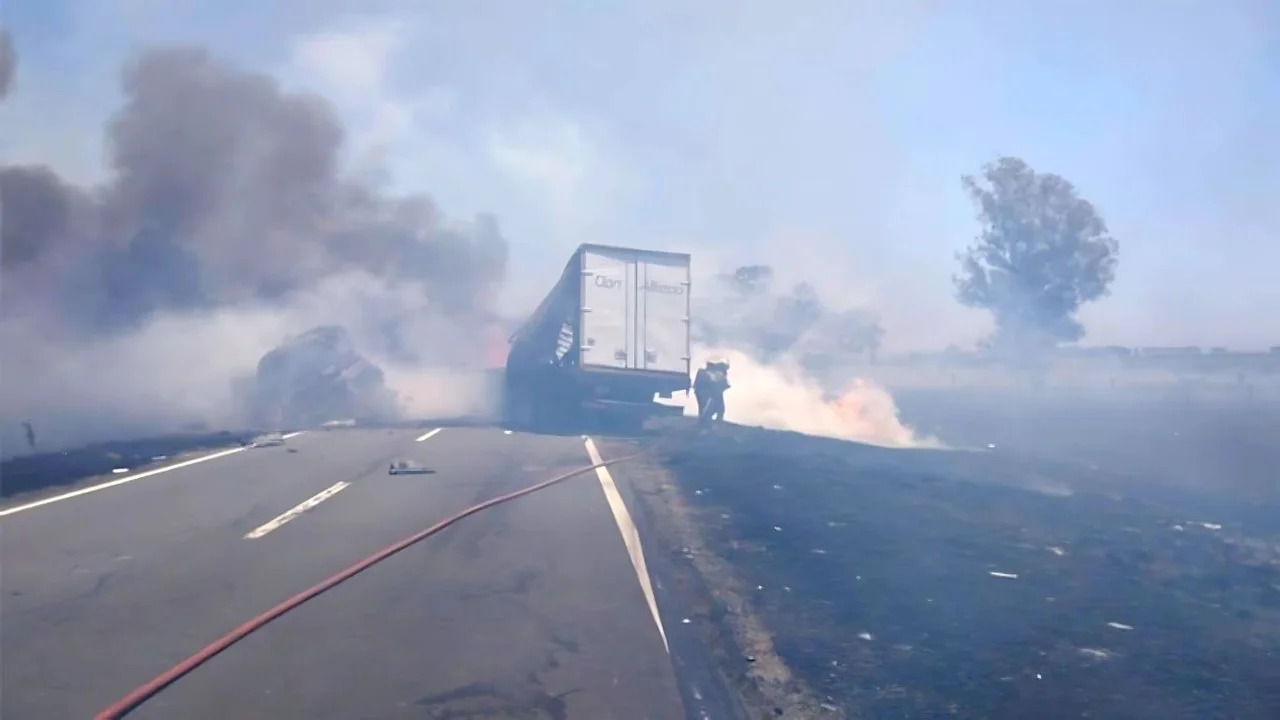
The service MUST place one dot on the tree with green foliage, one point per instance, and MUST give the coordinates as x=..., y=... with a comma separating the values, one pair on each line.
x=1043, y=252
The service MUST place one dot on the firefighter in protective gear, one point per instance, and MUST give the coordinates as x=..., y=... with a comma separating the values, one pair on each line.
x=709, y=386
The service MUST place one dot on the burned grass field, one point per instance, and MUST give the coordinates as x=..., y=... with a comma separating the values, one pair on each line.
x=990, y=584
x=63, y=469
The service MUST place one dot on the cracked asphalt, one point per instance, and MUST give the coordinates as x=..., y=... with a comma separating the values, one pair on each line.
x=528, y=610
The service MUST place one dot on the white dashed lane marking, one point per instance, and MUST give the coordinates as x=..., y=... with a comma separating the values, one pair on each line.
x=298, y=509
x=313, y=501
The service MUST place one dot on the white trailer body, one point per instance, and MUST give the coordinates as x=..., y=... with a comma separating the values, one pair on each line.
x=613, y=333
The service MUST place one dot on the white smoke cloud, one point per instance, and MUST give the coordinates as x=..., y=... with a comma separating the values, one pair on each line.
x=780, y=396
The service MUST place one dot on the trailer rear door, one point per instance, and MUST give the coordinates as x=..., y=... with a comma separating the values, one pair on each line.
x=607, y=330
x=663, y=317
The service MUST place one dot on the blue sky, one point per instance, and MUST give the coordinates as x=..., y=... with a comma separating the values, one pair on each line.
x=824, y=137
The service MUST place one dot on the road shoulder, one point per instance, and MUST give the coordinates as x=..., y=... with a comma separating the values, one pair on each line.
x=723, y=654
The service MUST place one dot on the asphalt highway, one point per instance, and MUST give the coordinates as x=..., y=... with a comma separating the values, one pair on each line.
x=531, y=609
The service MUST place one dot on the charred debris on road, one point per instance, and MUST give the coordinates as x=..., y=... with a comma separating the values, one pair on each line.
x=315, y=377
x=913, y=583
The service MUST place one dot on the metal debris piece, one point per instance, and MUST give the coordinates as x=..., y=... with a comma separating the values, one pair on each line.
x=1119, y=626
x=271, y=439
x=406, y=467
x=1010, y=576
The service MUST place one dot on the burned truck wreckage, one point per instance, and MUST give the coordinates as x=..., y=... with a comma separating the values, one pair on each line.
x=316, y=378
x=610, y=337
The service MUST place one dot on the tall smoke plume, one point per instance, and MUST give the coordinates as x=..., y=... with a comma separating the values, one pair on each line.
x=226, y=223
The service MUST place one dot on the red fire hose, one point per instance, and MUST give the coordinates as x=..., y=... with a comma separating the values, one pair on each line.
x=131, y=701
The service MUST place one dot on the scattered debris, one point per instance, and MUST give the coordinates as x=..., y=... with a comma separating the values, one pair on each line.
x=1056, y=550
x=406, y=467
x=864, y=635
x=1010, y=576
x=119, y=471
x=271, y=439
x=686, y=621
x=819, y=551
x=158, y=458
x=777, y=529
x=1119, y=626
x=506, y=432
x=1210, y=526
x=1095, y=653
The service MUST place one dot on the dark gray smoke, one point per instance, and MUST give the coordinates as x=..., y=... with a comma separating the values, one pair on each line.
x=225, y=189
x=226, y=223
x=8, y=62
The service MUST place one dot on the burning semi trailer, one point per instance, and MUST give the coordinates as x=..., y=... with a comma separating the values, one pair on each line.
x=610, y=337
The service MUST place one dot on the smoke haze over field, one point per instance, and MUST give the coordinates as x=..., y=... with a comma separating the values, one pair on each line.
x=161, y=202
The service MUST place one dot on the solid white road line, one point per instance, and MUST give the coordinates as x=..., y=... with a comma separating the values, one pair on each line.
x=428, y=435
x=630, y=537
x=297, y=510
x=130, y=478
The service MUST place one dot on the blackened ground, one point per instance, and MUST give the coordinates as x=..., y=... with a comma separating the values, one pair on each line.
x=872, y=569
x=35, y=472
